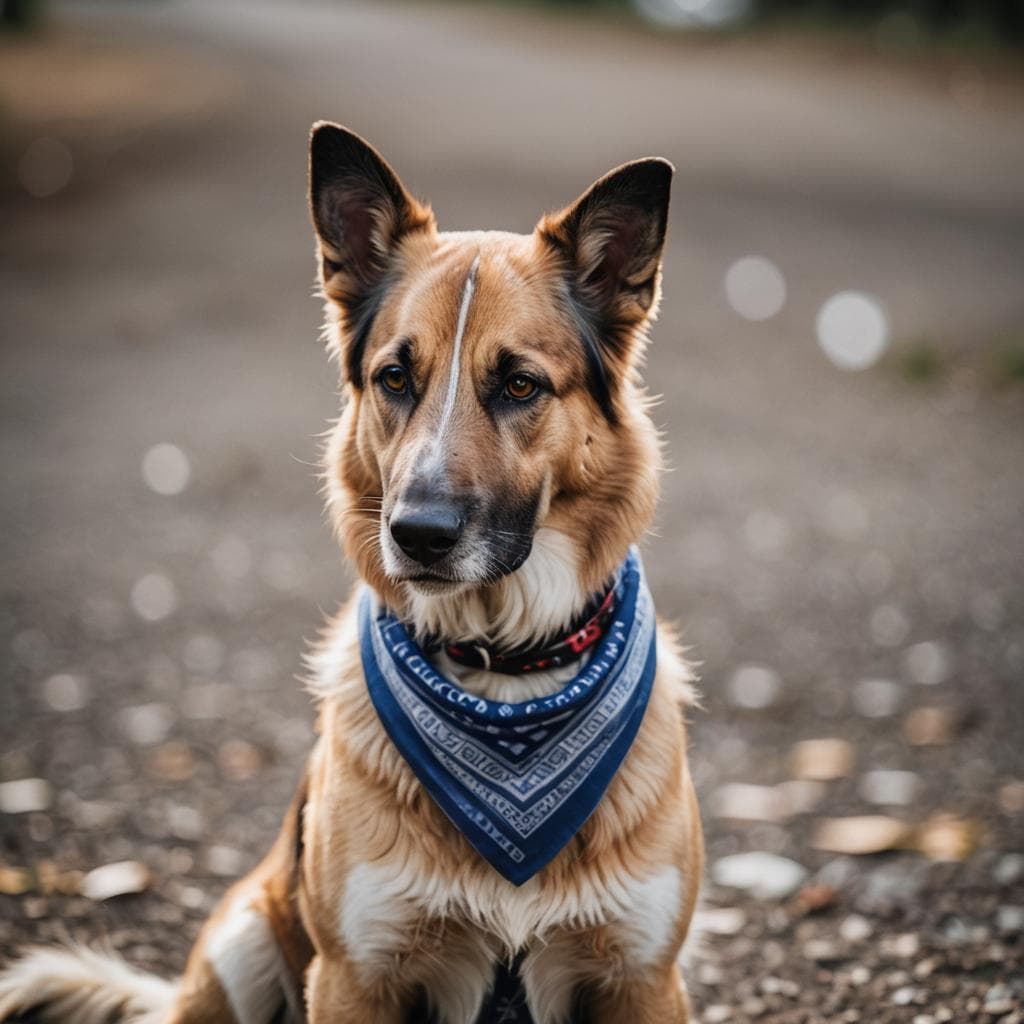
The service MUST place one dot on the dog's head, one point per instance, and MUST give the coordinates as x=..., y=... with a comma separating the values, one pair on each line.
x=491, y=378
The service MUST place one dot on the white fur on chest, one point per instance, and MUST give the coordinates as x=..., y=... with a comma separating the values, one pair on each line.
x=383, y=904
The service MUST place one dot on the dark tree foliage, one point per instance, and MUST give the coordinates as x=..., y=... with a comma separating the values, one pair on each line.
x=1003, y=17
x=18, y=13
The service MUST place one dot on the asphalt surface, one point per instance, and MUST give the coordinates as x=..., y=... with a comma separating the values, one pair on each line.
x=844, y=550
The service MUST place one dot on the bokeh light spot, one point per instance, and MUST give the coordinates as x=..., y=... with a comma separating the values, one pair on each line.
x=45, y=167
x=853, y=330
x=284, y=570
x=875, y=572
x=888, y=626
x=889, y=786
x=232, y=558
x=876, y=698
x=928, y=663
x=846, y=516
x=204, y=653
x=146, y=724
x=154, y=597
x=693, y=13
x=166, y=469
x=754, y=686
x=766, y=534
x=755, y=288
x=66, y=692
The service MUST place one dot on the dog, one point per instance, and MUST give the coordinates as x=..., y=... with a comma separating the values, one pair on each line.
x=492, y=470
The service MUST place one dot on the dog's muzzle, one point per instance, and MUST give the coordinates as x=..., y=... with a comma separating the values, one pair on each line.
x=426, y=532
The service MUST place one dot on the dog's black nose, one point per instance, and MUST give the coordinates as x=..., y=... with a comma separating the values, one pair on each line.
x=426, y=532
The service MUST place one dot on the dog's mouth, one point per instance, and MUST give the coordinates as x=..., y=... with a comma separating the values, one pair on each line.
x=461, y=571
x=471, y=562
x=448, y=575
x=434, y=585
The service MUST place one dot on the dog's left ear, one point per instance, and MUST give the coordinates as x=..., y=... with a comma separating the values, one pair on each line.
x=612, y=238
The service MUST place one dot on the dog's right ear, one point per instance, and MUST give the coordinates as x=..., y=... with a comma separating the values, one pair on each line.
x=361, y=213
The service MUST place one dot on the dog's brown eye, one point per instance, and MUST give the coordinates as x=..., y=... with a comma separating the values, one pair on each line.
x=393, y=378
x=520, y=387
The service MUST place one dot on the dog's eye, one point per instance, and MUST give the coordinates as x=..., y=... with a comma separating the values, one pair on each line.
x=520, y=387
x=393, y=378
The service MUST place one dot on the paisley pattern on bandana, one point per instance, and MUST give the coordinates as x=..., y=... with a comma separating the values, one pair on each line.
x=518, y=780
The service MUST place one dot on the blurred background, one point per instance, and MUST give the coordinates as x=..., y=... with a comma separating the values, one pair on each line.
x=841, y=359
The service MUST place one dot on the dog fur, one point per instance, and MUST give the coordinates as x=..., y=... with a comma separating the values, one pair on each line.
x=500, y=373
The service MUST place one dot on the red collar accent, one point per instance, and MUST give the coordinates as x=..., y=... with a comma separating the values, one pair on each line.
x=561, y=652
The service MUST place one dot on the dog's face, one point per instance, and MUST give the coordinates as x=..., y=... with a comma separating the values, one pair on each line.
x=490, y=376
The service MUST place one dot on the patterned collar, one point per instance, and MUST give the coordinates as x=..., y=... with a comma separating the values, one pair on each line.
x=562, y=651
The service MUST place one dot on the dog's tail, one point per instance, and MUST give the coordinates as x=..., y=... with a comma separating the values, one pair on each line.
x=77, y=985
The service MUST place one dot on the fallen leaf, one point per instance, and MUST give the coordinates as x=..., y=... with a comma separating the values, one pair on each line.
x=22, y=796
x=947, y=837
x=822, y=951
x=821, y=760
x=766, y=875
x=15, y=881
x=800, y=796
x=744, y=802
x=816, y=897
x=173, y=761
x=869, y=833
x=903, y=946
x=1011, y=797
x=120, y=879
x=718, y=1013
x=720, y=920
x=239, y=760
x=929, y=726
x=51, y=879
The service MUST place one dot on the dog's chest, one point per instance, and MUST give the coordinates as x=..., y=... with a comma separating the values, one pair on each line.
x=389, y=909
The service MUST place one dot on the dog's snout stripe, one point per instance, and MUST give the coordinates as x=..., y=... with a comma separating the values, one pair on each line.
x=460, y=328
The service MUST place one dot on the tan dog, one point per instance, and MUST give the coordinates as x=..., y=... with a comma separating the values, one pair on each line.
x=493, y=464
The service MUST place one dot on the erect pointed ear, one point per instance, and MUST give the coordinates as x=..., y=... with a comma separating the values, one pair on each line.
x=612, y=238
x=361, y=213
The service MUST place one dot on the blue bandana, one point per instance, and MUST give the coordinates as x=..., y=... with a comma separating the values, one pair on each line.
x=517, y=780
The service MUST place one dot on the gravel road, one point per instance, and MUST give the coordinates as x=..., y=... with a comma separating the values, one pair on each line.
x=844, y=549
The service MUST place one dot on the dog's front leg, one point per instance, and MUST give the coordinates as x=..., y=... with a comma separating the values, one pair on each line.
x=584, y=969
x=335, y=994
x=654, y=999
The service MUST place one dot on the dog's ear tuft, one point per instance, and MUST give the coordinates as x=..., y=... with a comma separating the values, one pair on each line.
x=361, y=213
x=612, y=239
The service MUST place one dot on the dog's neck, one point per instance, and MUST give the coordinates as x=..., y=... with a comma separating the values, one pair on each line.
x=543, y=597
x=524, y=608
